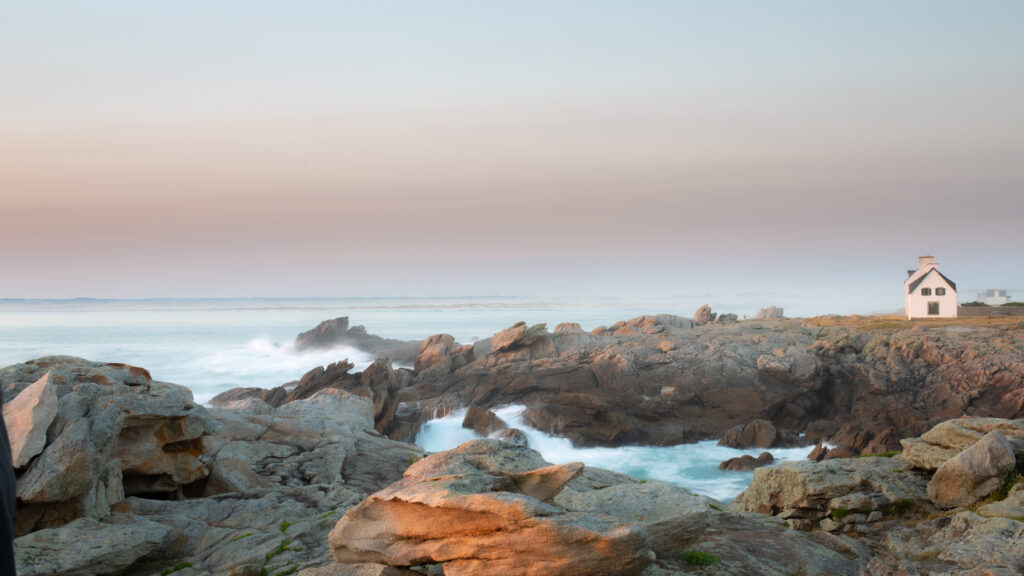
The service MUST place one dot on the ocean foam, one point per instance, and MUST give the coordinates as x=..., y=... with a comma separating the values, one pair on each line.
x=692, y=466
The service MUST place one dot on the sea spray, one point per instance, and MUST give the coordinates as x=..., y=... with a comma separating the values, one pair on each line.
x=692, y=466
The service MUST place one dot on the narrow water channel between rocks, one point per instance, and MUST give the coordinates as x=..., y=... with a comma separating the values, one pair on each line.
x=692, y=466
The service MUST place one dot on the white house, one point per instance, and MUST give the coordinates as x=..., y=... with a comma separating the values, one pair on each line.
x=929, y=293
x=993, y=297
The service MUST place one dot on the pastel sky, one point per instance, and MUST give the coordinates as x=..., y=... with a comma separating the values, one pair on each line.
x=258, y=148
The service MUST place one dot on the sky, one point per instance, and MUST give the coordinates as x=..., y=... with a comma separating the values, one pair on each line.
x=408, y=148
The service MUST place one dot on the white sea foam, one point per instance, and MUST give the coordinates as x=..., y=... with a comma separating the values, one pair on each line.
x=692, y=466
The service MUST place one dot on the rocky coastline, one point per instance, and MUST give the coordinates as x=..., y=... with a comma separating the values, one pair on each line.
x=123, y=475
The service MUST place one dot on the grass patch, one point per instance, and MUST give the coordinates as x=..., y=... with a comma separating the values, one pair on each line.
x=698, y=558
x=281, y=548
x=1002, y=492
x=839, y=513
x=288, y=571
x=326, y=514
x=243, y=536
x=902, y=506
x=284, y=526
x=175, y=568
x=715, y=507
x=413, y=459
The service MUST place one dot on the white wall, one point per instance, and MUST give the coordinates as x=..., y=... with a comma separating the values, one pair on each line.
x=917, y=305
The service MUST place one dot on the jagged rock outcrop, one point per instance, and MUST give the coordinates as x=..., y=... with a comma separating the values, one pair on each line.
x=859, y=383
x=380, y=383
x=337, y=332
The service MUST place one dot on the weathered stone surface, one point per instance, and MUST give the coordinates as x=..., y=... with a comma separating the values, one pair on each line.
x=482, y=421
x=464, y=508
x=27, y=417
x=670, y=515
x=87, y=547
x=232, y=475
x=972, y=474
x=925, y=456
x=812, y=490
x=747, y=462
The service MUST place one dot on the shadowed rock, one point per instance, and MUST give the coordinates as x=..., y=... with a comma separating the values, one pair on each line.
x=336, y=332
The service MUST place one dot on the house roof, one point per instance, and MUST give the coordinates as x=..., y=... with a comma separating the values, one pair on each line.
x=916, y=283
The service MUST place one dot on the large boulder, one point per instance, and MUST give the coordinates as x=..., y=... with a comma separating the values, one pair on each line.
x=115, y=431
x=703, y=315
x=485, y=508
x=950, y=437
x=757, y=434
x=27, y=417
x=972, y=474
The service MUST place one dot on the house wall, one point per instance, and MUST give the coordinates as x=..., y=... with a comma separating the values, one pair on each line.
x=917, y=305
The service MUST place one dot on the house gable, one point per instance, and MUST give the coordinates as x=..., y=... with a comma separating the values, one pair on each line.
x=913, y=285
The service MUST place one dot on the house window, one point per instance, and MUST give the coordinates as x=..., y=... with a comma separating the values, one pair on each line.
x=933, y=308
x=940, y=291
x=926, y=291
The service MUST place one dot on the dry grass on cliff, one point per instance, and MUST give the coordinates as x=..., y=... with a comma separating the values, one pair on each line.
x=899, y=322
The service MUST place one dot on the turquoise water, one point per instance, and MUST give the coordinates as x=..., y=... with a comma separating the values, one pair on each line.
x=692, y=466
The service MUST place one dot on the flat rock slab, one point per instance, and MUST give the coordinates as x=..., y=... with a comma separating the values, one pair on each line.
x=86, y=547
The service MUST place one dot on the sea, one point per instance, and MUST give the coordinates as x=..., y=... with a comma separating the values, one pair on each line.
x=212, y=345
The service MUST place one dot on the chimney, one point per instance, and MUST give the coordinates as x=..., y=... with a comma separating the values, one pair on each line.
x=925, y=262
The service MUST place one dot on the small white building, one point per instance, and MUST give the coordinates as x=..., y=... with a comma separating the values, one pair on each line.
x=993, y=297
x=929, y=293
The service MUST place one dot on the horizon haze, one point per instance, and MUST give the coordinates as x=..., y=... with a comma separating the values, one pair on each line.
x=342, y=149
